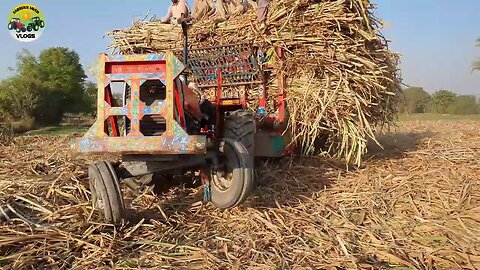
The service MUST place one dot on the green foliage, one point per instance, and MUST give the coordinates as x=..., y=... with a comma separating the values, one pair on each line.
x=19, y=98
x=416, y=100
x=441, y=101
x=464, y=105
x=45, y=87
x=90, y=97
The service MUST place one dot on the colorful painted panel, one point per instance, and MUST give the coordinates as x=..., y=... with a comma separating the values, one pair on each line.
x=134, y=57
x=142, y=145
x=173, y=141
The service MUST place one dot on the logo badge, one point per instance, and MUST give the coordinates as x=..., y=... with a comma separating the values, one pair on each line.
x=26, y=23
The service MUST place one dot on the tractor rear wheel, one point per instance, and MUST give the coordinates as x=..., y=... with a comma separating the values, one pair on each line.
x=106, y=193
x=232, y=177
x=231, y=185
x=240, y=126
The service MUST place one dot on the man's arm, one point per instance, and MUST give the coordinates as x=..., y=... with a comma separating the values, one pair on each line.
x=168, y=16
x=184, y=3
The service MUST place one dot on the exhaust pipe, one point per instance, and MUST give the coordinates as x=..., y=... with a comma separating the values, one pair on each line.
x=185, y=48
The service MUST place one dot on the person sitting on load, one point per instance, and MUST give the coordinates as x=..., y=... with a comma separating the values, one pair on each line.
x=177, y=11
x=228, y=8
x=203, y=9
x=262, y=12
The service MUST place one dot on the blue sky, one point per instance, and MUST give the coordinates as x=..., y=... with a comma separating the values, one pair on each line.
x=435, y=37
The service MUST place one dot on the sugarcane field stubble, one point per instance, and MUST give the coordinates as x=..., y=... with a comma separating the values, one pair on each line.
x=414, y=205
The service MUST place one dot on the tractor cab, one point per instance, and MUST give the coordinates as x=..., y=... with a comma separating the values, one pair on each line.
x=16, y=24
x=37, y=23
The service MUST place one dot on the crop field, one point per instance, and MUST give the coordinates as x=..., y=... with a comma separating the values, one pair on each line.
x=415, y=204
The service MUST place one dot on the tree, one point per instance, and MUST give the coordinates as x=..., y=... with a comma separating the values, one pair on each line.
x=90, y=97
x=416, y=100
x=19, y=98
x=441, y=101
x=59, y=71
x=45, y=87
x=464, y=105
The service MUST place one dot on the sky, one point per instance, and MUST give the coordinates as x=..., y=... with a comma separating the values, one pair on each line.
x=436, y=38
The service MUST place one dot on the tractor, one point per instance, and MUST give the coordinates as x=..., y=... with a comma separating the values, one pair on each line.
x=17, y=25
x=35, y=24
x=167, y=125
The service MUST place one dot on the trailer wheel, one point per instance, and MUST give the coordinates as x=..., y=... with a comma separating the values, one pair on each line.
x=232, y=179
x=106, y=193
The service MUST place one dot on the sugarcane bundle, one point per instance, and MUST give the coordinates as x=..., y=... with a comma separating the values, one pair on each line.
x=342, y=78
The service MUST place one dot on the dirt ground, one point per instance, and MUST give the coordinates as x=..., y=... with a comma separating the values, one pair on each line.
x=413, y=205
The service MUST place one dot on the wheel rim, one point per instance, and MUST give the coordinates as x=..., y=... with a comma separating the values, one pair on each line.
x=222, y=178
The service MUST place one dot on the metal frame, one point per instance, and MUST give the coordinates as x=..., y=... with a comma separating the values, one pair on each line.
x=135, y=70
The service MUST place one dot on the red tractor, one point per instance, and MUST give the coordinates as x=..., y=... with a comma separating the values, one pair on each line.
x=17, y=25
x=165, y=127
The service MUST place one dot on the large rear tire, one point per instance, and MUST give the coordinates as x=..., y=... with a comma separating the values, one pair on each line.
x=106, y=193
x=232, y=186
x=240, y=126
x=231, y=182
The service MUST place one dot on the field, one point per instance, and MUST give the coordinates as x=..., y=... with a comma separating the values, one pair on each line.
x=413, y=205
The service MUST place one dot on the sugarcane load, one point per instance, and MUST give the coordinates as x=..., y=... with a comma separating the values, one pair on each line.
x=207, y=92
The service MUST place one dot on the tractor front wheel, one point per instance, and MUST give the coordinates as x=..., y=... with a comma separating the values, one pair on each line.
x=10, y=26
x=106, y=193
x=42, y=24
